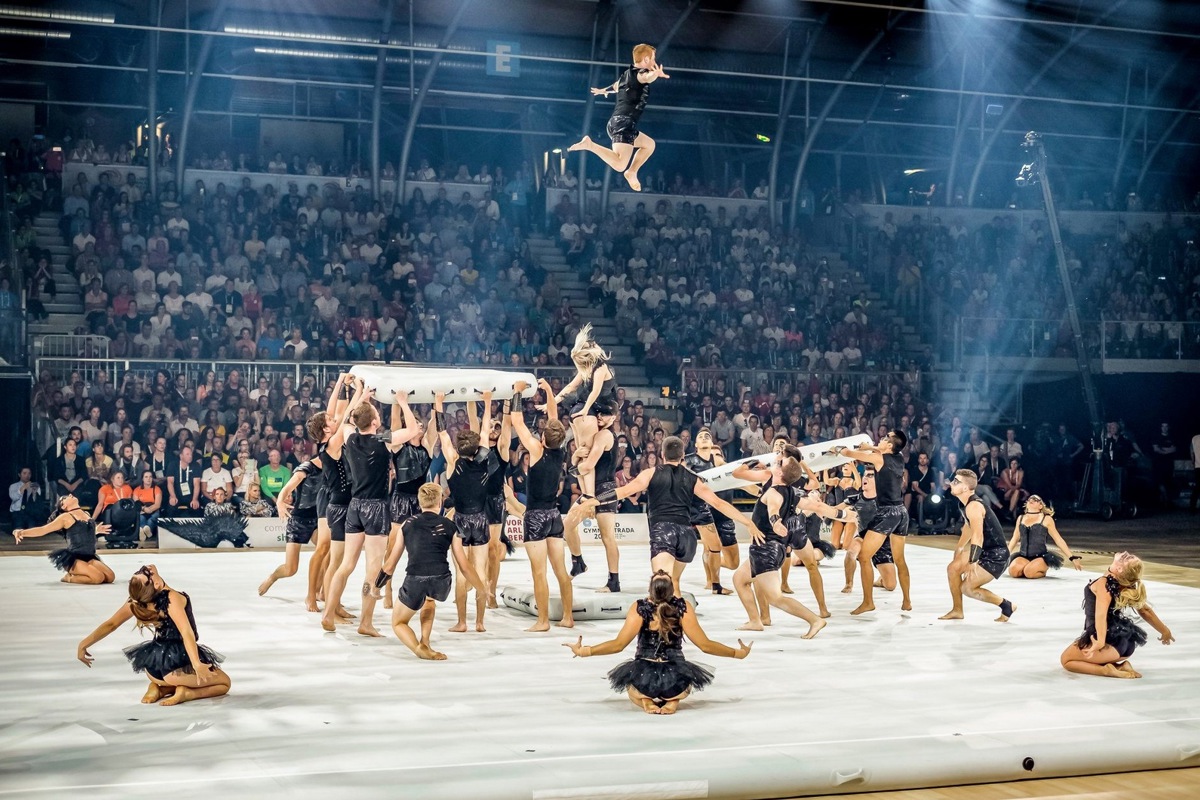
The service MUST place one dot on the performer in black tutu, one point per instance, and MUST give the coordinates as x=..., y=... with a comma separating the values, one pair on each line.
x=180, y=669
x=659, y=676
x=1109, y=635
x=78, y=559
x=1030, y=556
x=982, y=553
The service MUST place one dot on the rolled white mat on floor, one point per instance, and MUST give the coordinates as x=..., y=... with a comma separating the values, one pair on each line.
x=423, y=383
x=587, y=604
x=817, y=456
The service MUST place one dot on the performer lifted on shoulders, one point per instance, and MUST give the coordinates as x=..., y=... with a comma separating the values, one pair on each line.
x=601, y=463
x=632, y=90
x=593, y=393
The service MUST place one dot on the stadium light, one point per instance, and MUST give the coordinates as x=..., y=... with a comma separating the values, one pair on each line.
x=56, y=16
x=35, y=33
x=301, y=35
x=324, y=54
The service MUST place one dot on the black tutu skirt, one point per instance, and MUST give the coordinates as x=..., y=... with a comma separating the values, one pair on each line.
x=1124, y=635
x=158, y=658
x=1053, y=560
x=65, y=558
x=659, y=680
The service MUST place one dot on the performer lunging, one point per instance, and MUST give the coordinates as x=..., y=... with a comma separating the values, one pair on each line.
x=982, y=553
x=543, y=522
x=1030, y=556
x=593, y=392
x=632, y=90
x=467, y=467
x=891, y=518
x=659, y=676
x=428, y=537
x=180, y=669
x=1109, y=635
x=78, y=559
x=670, y=491
x=299, y=513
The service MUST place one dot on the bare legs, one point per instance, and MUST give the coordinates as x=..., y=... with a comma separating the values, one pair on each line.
x=376, y=546
x=766, y=586
x=970, y=583
x=607, y=523
x=644, y=148
x=651, y=706
x=808, y=557
x=539, y=553
x=712, y=556
x=869, y=547
x=1028, y=568
x=496, y=552
x=1105, y=662
x=89, y=573
x=401, y=614
x=351, y=549
x=317, y=565
x=478, y=554
x=180, y=687
x=619, y=156
x=291, y=563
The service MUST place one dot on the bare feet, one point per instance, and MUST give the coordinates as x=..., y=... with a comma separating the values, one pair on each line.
x=632, y=179
x=344, y=615
x=582, y=144
x=862, y=609
x=952, y=615
x=387, y=601
x=786, y=589
x=814, y=628
x=751, y=626
x=327, y=625
x=369, y=630
x=265, y=586
x=460, y=627
x=538, y=627
x=1004, y=617
x=766, y=621
x=479, y=628
x=648, y=705
x=427, y=653
x=491, y=602
x=310, y=604
x=181, y=695
x=669, y=707
x=1127, y=668
x=906, y=605
x=154, y=693
x=1114, y=671
x=825, y=613
x=848, y=588
x=565, y=623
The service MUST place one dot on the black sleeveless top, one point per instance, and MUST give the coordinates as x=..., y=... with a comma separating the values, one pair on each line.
x=606, y=465
x=544, y=478
x=697, y=463
x=888, y=480
x=81, y=536
x=606, y=401
x=306, y=498
x=761, y=517
x=495, y=479
x=1033, y=539
x=670, y=493
x=468, y=484
x=337, y=481
x=411, y=463
x=993, y=531
x=632, y=94
x=651, y=644
x=166, y=631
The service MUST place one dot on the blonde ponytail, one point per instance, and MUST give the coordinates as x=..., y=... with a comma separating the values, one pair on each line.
x=1133, y=591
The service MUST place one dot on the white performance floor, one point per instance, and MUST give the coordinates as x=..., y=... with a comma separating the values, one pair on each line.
x=884, y=702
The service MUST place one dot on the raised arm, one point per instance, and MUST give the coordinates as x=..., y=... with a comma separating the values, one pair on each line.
x=335, y=397
x=411, y=430
x=865, y=455
x=505, y=432
x=122, y=615
x=748, y=472
x=551, y=399
x=693, y=631
x=517, y=416
x=439, y=423
x=473, y=416
x=633, y=624
x=485, y=428
x=606, y=90
x=636, y=486
x=652, y=74
x=566, y=390
x=334, y=445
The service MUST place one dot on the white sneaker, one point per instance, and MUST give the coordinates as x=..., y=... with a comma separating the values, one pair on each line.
x=144, y=533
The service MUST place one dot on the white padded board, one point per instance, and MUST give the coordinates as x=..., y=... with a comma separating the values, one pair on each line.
x=586, y=605
x=817, y=456
x=459, y=385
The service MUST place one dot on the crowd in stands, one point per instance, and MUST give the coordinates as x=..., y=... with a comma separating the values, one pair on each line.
x=1144, y=282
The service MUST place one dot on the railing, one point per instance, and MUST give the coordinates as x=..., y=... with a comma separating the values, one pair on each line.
x=731, y=205
x=1052, y=338
x=13, y=302
x=849, y=384
x=69, y=345
x=323, y=372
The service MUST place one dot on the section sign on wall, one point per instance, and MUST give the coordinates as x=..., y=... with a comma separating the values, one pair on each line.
x=503, y=58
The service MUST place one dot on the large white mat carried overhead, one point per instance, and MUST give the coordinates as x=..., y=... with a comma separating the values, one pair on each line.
x=817, y=456
x=423, y=383
x=889, y=700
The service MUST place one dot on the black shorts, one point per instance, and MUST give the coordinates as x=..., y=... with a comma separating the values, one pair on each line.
x=702, y=515
x=403, y=507
x=674, y=539
x=767, y=557
x=622, y=129
x=300, y=529
x=865, y=508
x=473, y=528
x=601, y=488
x=416, y=589
x=495, y=510
x=797, y=528
x=368, y=516
x=995, y=561
x=542, y=524
x=890, y=520
x=884, y=554
x=322, y=501
x=335, y=515
x=727, y=530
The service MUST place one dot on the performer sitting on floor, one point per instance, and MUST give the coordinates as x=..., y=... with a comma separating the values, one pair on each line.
x=428, y=537
x=1030, y=556
x=78, y=559
x=659, y=676
x=1109, y=636
x=180, y=669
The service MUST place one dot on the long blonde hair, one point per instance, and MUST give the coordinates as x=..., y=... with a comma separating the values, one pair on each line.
x=586, y=353
x=1129, y=574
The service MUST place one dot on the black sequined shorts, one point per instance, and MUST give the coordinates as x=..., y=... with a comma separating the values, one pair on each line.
x=865, y=509
x=727, y=530
x=416, y=589
x=890, y=520
x=300, y=528
x=601, y=488
x=473, y=528
x=495, y=509
x=335, y=515
x=678, y=541
x=542, y=524
x=368, y=516
x=622, y=129
x=995, y=561
x=403, y=507
x=766, y=557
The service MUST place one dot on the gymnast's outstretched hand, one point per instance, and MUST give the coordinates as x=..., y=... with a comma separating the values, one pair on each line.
x=742, y=650
x=576, y=647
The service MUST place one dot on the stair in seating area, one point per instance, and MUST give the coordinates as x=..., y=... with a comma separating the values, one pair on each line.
x=880, y=311
x=574, y=287
x=66, y=309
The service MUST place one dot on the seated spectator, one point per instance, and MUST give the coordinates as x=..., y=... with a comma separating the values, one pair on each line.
x=150, y=501
x=273, y=476
x=219, y=506
x=216, y=477
x=255, y=505
x=111, y=492
x=28, y=508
